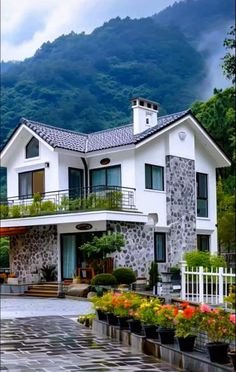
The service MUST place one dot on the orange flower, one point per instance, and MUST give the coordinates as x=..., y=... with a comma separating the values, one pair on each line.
x=189, y=312
x=184, y=304
x=175, y=311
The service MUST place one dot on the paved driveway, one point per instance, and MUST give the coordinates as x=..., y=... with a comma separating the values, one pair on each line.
x=56, y=343
x=21, y=307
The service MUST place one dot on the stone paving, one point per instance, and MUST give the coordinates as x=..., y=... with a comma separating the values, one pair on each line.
x=57, y=343
x=21, y=307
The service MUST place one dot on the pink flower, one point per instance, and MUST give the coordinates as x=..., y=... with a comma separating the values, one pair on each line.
x=232, y=318
x=205, y=308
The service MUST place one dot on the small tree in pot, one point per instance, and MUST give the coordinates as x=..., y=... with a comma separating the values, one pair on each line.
x=103, y=247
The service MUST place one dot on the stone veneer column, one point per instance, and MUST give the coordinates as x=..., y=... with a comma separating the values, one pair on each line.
x=138, y=252
x=181, y=207
x=30, y=251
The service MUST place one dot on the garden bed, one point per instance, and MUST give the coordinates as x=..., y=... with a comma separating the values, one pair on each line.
x=186, y=361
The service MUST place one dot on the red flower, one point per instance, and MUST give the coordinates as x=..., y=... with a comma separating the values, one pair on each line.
x=189, y=312
x=184, y=304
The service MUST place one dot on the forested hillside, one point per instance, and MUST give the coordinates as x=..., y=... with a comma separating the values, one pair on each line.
x=85, y=82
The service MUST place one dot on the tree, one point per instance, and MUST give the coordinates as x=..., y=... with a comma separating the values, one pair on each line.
x=229, y=65
x=226, y=218
x=4, y=252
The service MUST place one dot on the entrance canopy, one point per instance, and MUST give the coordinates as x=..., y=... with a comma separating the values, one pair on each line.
x=10, y=231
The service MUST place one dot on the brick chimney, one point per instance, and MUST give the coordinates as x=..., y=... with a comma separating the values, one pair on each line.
x=144, y=114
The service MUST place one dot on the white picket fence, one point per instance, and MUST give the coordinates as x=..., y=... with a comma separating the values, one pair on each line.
x=203, y=285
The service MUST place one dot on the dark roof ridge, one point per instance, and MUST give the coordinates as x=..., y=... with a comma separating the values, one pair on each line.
x=27, y=121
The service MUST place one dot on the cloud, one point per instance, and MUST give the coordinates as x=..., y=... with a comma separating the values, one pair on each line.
x=27, y=24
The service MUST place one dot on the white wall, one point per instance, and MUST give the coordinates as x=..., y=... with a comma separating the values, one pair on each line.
x=205, y=164
x=150, y=201
x=18, y=164
x=182, y=148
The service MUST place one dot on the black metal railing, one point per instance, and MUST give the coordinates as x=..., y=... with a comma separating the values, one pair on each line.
x=68, y=201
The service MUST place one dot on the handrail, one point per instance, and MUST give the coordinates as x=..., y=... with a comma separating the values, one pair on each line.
x=98, y=197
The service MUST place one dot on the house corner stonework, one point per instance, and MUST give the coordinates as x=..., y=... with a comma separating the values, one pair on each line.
x=181, y=207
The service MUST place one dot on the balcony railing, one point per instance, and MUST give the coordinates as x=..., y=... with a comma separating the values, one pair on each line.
x=69, y=201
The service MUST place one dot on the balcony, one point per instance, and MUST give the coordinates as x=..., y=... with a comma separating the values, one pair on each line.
x=96, y=198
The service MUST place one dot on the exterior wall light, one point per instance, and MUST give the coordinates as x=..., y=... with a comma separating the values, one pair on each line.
x=182, y=135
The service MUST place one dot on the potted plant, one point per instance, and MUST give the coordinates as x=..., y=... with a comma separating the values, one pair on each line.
x=147, y=314
x=165, y=318
x=103, y=305
x=125, y=306
x=102, y=247
x=220, y=329
x=186, y=326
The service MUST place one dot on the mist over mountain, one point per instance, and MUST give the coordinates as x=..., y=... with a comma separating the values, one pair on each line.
x=84, y=82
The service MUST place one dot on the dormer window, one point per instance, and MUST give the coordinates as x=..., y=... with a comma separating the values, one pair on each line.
x=32, y=148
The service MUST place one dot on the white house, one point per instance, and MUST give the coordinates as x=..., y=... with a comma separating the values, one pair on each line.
x=153, y=180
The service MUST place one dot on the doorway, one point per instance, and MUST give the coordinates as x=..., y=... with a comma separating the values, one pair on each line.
x=72, y=256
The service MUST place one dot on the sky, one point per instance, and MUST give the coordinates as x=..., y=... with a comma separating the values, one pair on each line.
x=27, y=24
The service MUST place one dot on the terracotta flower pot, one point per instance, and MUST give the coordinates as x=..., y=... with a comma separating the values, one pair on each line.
x=218, y=352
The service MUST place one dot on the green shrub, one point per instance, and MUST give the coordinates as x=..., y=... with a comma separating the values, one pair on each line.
x=15, y=211
x=48, y=206
x=124, y=275
x=205, y=259
x=4, y=209
x=153, y=274
x=4, y=252
x=217, y=261
x=104, y=279
x=64, y=203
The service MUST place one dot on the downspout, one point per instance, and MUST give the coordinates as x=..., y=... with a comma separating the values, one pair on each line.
x=85, y=175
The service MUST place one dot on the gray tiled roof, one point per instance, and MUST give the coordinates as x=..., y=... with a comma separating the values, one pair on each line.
x=75, y=141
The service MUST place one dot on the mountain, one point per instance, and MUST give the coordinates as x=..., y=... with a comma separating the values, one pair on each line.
x=84, y=82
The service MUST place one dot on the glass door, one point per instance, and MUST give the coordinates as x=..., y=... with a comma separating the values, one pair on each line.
x=75, y=182
x=69, y=257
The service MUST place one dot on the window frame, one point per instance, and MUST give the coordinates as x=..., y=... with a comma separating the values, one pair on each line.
x=29, y=196
x=201, y=197
x=31, y=157
x=162, y=176
x=155, y=247
x=199, y=242
x=105, y=168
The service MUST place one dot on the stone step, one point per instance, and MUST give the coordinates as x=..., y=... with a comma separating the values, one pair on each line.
x=38, y=294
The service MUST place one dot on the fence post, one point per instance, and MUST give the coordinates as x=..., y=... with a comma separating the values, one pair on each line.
x=221, y=286
x=183, y=279
x=201, y=285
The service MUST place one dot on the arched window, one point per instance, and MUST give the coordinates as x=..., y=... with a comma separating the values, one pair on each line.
x=32, y=148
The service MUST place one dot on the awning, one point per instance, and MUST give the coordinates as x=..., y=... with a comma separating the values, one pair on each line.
x=9, y=231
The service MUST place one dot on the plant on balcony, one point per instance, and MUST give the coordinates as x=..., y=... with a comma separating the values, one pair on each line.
x=64, y=204
x=34, y=208
x=48, y=207
x=103, y=247
x=15, y=211
x=4, y=210
x=75, y=204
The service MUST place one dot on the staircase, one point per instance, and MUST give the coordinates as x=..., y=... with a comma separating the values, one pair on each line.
x=49, y=289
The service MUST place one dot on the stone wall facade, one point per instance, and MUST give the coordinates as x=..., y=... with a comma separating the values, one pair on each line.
x=30, y=251
x=138, y=252
x=181, y=207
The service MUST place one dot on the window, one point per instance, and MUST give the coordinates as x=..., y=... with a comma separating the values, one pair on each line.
x=30, y=183
x=203, y=243
x=160, y=247
x=110, y=176
x=202, y=195
x=32, y=148
x=154, y=177
x=75, y=182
